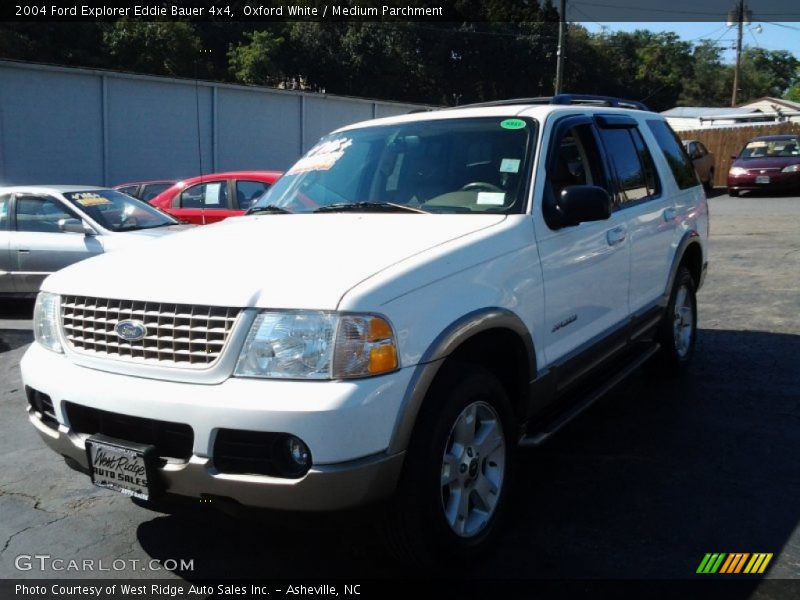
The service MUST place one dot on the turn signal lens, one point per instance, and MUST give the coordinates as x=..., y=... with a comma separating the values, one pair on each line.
x=365, y=345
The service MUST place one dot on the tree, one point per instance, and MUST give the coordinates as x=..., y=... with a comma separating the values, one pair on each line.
x=161, y=48
x=767, y=73
x=707, y=85
x=254, y=62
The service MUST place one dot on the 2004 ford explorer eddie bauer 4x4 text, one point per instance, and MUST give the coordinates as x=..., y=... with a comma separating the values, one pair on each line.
x=413, y=299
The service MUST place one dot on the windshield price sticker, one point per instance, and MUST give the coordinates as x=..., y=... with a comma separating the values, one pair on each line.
x=321, y=158
x=87, y=199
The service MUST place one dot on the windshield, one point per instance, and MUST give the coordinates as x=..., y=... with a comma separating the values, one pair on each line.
x=116, y=211
x=444, y=166
x=771, y=148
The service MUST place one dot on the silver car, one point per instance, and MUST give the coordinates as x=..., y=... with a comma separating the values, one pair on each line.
x=45, y=228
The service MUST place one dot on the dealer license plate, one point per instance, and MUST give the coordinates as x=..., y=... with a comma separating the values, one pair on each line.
x=762, y=178
x=125, y=467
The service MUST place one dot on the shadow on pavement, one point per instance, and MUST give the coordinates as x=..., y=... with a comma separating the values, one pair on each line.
x=13, y=336
x=654, y=476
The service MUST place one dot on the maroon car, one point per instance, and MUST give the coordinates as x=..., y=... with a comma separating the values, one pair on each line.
x=770, y=162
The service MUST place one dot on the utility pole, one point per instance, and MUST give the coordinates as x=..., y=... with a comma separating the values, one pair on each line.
x=740, y=16
x=562, y=31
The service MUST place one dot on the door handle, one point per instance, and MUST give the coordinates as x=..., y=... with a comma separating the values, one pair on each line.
x=616, y=236
x=23, y=250
x=670, y=214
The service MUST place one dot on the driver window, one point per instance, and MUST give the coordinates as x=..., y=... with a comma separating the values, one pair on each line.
x=577, y=161
x=212, y=195
x=40, y=214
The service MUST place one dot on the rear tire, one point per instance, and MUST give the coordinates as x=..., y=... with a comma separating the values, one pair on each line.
x=677, y=332
x=455, y=482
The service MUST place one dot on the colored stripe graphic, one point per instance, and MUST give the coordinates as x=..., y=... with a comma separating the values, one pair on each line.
x=711, y=563
x=722, y=563
x=759, y=562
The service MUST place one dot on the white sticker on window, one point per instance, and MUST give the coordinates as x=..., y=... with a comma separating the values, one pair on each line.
x=212, y=194
x=509, y=165
x=491, y=198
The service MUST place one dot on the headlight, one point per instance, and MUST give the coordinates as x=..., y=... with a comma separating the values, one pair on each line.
x=45, y=321
x=735, y=171
x=317, y=345
x=791, y=169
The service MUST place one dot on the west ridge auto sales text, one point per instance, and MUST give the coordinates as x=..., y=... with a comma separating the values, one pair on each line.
x=180, y=590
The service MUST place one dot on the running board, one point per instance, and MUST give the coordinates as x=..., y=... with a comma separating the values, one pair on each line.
x=535, y=439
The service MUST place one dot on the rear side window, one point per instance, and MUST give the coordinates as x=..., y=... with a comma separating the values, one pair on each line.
x=679, y=162
x=151, y=190
x=632, y=163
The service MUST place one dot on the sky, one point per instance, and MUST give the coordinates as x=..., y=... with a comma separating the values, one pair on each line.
x=773, y=36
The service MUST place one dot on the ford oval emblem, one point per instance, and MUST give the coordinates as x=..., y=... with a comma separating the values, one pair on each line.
x=131, y=330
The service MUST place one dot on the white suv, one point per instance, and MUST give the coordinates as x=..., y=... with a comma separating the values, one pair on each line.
x=414, y=298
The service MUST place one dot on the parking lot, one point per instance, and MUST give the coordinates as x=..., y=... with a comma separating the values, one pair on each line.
x=645, y=483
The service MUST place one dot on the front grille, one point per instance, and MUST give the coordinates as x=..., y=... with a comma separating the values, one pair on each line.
x=183, y=335
x=172, y=440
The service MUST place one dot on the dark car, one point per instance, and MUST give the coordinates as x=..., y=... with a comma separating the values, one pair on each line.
x=770, y=162
x=145, y=190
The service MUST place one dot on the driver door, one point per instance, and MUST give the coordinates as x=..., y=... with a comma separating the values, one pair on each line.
x=36, y=244
x=585, y=267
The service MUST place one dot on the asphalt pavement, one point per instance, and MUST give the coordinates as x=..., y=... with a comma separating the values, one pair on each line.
x=642, y=486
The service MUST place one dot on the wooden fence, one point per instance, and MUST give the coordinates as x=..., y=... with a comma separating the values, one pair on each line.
x=724, y=142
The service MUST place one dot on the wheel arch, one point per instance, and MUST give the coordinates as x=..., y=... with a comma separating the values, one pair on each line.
x=495, y=338
x=689, y=254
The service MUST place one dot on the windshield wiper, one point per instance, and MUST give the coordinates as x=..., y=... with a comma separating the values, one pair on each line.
x=161, y=225
x=368, y=207
x=269, y=208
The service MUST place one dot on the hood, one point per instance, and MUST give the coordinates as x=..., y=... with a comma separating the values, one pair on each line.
x=116, y=240
x=773, y=162
x=270, y=261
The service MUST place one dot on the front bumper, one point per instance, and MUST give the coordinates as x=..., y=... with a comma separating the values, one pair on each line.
x=347, y=426
x=778, y=182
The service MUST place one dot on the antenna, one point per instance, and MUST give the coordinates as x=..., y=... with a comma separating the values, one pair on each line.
x=197, y=114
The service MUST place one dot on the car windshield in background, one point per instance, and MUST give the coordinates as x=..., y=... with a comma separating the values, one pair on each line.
x=117, y=211
x=442, y=166
x=772, y=149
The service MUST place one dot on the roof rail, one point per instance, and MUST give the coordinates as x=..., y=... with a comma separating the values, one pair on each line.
x=566, y=99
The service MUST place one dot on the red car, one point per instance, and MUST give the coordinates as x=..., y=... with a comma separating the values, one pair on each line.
x=211, y=198
x=770, y=162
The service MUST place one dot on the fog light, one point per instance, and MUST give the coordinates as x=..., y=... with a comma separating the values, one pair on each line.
x=297, y=456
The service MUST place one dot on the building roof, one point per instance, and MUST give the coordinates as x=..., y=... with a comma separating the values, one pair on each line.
x=788, y=104
x=694, y=112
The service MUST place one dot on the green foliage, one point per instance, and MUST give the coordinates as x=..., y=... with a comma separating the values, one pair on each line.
x=163, y=48
x=254, y=62
x=496, y=49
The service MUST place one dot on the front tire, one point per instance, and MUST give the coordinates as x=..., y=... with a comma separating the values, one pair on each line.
x=733, y=193
x=677, y=333
x=454, y=487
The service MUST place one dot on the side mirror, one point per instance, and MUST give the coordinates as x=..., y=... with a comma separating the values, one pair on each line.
x=582, y=203
x=76, y=226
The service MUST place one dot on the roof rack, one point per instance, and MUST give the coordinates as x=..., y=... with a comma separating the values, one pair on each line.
x=566, y=99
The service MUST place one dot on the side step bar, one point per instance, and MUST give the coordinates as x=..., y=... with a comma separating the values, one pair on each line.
x=536, y=438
